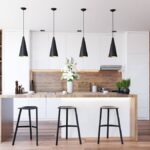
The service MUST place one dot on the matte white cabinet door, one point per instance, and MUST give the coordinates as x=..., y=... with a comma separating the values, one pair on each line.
x=20, y=102
x=41, y=104
x=52, y=105
x=40, y=49
x=88, y=115
x=138, y=69
x=69, y=44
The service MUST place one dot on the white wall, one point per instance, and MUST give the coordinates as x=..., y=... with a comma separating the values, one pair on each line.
x=14, y=67
x=137, y=68
x=68, y=45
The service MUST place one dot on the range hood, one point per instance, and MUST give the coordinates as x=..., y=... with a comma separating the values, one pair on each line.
x=110, y=67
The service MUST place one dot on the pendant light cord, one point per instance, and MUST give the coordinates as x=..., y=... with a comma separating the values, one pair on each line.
x=83, y=23
x=112, y=24
x=23, y=22
x=53, y=23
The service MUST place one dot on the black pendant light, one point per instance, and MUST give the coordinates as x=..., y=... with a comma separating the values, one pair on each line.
x=53, y=50
x=83, y=50
x=113, y=52
x=23, y=48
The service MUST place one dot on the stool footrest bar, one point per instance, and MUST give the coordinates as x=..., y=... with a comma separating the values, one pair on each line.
x=26, y=126
x=110, y=125
x=62, y=126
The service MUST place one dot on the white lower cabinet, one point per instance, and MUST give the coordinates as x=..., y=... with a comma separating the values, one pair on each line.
x=52, y=105
x=20, y=102
x=39, y=102
x=47, y=108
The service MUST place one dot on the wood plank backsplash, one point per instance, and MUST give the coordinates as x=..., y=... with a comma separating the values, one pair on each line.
x=50, y=81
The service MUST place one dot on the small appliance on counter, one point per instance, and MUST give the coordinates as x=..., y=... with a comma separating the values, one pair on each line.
x=103, y=90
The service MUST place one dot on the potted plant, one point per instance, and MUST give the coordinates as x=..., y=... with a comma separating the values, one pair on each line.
x=123, y=86
x=126, y=85
x=119, y=86
x=70, y=74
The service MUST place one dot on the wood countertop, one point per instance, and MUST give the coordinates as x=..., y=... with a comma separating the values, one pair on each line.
x=66, y=95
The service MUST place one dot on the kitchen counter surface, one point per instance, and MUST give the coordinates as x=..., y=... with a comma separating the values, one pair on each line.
x=66, y=95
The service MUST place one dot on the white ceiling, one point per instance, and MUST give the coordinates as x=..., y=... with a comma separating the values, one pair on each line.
x=130, y=15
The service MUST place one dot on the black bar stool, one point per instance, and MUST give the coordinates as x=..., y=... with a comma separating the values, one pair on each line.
x=29, y=108
x=66, y=125
x=108, y=108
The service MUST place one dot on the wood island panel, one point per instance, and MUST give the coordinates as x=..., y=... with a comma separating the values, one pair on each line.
x=133, y=115
x=6, y=119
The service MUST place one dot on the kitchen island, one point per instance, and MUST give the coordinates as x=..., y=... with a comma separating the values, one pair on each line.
x=87, y=104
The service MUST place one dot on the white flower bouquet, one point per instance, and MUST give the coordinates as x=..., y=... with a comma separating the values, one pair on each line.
x=70, y=71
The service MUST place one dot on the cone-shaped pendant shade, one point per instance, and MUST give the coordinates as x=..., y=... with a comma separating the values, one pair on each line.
x=112, y=52
x=23, y=48
x=83, y=50
x=53, y=51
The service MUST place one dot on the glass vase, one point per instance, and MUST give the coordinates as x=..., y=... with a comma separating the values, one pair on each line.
x=69, y=86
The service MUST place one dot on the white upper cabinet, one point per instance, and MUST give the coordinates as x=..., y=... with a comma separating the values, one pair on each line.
x=137, y=68
x=138, y=42
x=40, y=50
x=69, y=44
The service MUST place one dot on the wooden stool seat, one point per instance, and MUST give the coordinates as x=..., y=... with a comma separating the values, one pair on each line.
x=66, y=107
x=109, y=107
x=28, y=107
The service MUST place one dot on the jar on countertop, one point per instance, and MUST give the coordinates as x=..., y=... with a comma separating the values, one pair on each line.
x=94, y=88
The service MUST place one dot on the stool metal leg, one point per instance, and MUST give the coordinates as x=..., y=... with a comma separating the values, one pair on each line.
x=108, y=123
x=66, y=123
x=78, y=126
x=119, y=126
x=58, y=123
x=37, y=127
x=14, y=138
x=30, y=124
x=99, y=126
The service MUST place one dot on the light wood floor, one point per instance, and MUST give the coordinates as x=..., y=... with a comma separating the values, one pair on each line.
x=47, y=142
